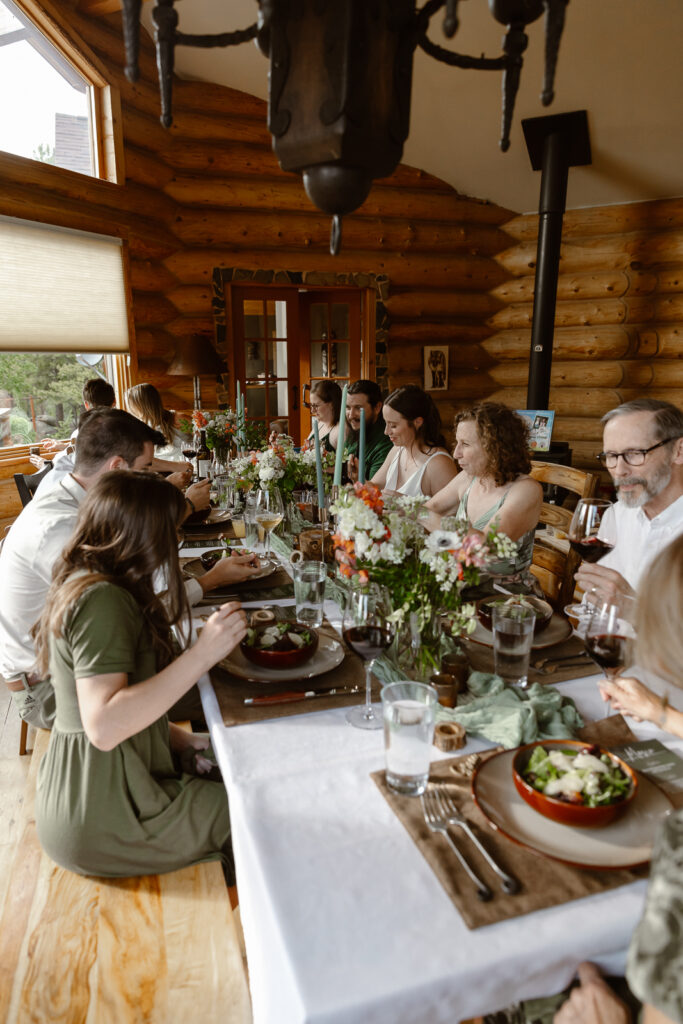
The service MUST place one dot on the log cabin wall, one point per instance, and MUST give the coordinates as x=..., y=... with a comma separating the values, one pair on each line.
x=618, y=320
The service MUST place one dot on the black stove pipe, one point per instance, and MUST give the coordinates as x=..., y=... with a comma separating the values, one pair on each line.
x=555, y=144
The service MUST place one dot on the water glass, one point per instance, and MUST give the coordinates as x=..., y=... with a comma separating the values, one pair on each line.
x=309, y=592
x=409, y=711
x=513, y=634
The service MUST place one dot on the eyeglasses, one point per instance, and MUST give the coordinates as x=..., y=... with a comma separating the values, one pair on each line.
x=632, y=456
x=314, y=406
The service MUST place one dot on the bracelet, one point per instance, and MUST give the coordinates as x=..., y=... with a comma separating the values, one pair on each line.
x=190, y=503
x=663, y=709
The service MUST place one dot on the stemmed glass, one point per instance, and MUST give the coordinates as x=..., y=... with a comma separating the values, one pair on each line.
x=368, y=631
x=590, y=534
x=609, y=636
x=270, y=512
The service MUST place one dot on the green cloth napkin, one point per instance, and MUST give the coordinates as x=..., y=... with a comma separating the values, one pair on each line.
x=511, y=717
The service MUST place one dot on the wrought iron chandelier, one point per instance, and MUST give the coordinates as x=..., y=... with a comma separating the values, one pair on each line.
x=341, y=76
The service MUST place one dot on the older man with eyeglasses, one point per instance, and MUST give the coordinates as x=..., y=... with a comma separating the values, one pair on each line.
x=643, y=442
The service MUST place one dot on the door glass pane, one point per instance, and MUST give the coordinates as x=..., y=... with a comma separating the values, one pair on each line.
x=254, y=326
x=319, y=359
x=254, y=359
x=339, y=359
x=276, y=313
x=340, y=320
x=255, y=401
x=277, y=400
x=319, y=326
x=277, y=356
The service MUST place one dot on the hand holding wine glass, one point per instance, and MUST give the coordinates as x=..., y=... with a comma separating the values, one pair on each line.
x=270, y=512
x=368, y=631
x=609, y=637
x=591, y=535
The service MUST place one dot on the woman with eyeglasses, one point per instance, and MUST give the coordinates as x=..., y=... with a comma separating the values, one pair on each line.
x=419, y=462
x=325, y=406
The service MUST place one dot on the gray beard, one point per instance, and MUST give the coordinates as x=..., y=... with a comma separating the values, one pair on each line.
x=651, y=488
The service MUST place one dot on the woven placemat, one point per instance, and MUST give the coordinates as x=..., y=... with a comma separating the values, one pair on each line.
x=267, y=588
x=232, y=691
x=544, y=882
x=566, y=660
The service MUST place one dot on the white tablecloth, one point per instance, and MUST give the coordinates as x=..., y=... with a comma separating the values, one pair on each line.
x=345, y=922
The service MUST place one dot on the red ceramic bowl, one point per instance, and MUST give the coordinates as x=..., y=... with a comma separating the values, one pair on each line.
x=562, y=811
x=268, y=658
x=544, y=611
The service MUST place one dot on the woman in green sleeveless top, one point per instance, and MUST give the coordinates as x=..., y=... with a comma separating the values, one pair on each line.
x=112, y=798
x=493, y=484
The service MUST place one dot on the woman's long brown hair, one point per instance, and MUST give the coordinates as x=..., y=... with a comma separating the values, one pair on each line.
x=144, y=401
x=126, y=533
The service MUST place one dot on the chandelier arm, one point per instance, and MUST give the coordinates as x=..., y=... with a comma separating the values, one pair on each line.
x=555, y=11
x=450, y=19
x=460, y=60
x=131, y=37
x=220, y=39
x=165, y=20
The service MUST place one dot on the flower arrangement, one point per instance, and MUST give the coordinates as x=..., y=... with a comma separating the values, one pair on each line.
x=225, y=429
x=384, y=541
x=279, y=465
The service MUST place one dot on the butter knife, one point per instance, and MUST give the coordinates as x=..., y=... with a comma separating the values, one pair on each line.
x=294, y=695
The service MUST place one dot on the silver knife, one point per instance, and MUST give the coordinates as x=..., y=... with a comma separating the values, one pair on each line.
x=294, y=695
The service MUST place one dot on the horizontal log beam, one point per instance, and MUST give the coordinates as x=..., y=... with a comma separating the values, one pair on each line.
x=655, y=215
x=637, y=310
x=195, y=266
x=425, y=332
x=411, y=305
x=610, y=252
x=595, y=285
x=568, y=343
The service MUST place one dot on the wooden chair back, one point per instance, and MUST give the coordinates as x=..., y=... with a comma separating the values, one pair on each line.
x=554, y=565
x=27, y=483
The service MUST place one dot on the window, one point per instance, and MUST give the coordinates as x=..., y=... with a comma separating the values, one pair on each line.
x=45, y=102
x=40, y=394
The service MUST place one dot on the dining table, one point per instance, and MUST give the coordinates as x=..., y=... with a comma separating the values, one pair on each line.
x=344, y=919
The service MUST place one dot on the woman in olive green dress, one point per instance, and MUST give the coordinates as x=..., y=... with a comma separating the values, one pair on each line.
x=111, y=799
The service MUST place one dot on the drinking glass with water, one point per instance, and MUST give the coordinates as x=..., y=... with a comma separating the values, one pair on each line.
x=409, y=714
x=513, y=633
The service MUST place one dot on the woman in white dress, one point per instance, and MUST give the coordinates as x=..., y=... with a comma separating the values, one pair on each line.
x=419, y=463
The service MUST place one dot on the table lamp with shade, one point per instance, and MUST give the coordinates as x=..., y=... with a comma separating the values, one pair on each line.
x=194, y=357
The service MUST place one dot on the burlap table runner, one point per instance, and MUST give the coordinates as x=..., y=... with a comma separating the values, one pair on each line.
x=554, y=670
x=231, y=691
x=545, y=882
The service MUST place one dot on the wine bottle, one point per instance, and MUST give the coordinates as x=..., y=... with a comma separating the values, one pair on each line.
x=203, y=457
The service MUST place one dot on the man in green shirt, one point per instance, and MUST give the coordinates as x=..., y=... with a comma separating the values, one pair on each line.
x=365, y=394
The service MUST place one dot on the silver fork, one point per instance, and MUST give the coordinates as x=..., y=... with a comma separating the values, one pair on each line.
x=437, y=823
x=451, y=813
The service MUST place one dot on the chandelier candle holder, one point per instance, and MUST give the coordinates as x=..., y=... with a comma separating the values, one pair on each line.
x=340, y=79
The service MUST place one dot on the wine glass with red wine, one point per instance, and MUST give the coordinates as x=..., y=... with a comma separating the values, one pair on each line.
x=610, y=635
x=591, y=533
x=368, y=631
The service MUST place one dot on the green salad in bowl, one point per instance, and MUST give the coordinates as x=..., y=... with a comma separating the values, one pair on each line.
x=573, y=782
x=279, y=645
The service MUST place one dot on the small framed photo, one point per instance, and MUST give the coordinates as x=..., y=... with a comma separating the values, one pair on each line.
x=540, y=428
x=436, y=368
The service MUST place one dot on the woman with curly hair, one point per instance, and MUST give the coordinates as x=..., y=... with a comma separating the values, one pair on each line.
x=418, y=463
x=112, y=796
x=493, y=483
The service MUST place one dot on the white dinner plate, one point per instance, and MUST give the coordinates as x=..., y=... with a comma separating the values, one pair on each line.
x=195, y=568
x=624, y=843
x=329, y=654
x=556, y=632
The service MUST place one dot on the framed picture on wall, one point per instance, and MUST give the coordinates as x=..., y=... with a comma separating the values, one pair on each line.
x=540, y=428
x=436, y=367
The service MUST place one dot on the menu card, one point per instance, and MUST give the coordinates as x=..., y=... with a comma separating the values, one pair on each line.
x=661, y=765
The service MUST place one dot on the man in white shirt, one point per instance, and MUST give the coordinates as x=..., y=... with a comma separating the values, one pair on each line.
x=108, y=439
x=643, y=442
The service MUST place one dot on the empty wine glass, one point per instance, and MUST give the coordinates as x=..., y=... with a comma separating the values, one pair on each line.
x=270, y=512
x=368, y=631
x=610, y=635
x=592, y=534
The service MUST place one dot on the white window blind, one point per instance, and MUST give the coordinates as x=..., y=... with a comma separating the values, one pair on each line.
x=60, y=290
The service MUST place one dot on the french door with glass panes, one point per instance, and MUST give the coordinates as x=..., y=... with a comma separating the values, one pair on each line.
x=286, y=338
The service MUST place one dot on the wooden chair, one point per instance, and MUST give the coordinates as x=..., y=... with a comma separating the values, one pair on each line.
x=552, y=565
x=27, y=483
